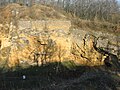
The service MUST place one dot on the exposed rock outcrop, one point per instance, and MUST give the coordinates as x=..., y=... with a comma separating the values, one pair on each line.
x=31, y=47
x=105, y=43
x=35, y=47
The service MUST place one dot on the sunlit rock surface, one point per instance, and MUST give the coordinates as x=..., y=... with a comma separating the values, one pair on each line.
x=36, y=47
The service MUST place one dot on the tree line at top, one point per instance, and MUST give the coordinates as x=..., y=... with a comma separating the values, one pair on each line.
x=85, y=9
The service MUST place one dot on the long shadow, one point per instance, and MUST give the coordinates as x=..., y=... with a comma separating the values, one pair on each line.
x=35, y=76
x=50, y=77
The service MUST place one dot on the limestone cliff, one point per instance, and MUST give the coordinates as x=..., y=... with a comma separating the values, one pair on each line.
x=35, y=47
x=104, y=43
x=40, y=34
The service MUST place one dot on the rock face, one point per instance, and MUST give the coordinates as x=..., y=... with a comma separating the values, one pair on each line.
x=42, y=24
x=104, y=40
x=106, y=44
x=85, y=52
x=109, y=42
x=35, y=47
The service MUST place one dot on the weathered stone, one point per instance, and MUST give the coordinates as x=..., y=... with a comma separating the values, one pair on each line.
x=4, y=57
x=45, y=25
x=36, y=47
x=85, y=53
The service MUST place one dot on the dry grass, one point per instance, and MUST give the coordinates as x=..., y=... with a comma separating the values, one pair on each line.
x=96, y=25
x=39, y=12
x=42, y=12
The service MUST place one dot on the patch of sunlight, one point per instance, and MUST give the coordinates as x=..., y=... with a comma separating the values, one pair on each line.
x=69, y=64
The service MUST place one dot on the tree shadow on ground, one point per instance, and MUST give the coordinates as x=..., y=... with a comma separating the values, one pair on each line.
x=57, y=76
